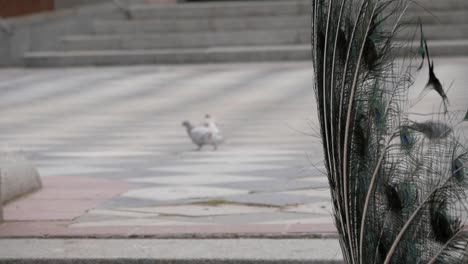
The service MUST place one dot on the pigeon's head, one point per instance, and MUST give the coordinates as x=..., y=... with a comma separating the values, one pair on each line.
x=207, y=116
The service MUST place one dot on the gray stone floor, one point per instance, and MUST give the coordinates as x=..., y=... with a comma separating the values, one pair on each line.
x=124, y=123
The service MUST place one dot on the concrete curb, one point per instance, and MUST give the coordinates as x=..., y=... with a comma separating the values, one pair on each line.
x=161, y=261
x=170, y=251
x=18, y=177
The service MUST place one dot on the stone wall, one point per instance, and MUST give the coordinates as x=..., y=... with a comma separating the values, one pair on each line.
x=60, y=4
x=41, y=31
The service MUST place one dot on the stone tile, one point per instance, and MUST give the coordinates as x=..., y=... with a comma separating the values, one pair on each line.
x=204, y=210
x=216, y=168
x=182, y=193
x=63, y=198
x=127, y=202
x=72, y=170
x=311, y=193
x=251, y=218
x=250, y=151
x=89, y=162
x=309, y=220
x=102, y=154
x=21, y=148
x=196, y=179
x=123, y=213
x=321, y=208
x=80, y=182
x=272, y=184
x=241, y=159
x=275, y=199
x=93, y=193
x=42, y=210
x=133, y=222
x=321, y=179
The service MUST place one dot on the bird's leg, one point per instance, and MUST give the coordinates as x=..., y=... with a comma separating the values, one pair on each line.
x=199, y=147
x=215, y=147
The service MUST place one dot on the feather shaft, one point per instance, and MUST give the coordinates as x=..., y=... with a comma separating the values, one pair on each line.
x=348, y=119
x=368, y=195
x=333, y=149
x=344, y=175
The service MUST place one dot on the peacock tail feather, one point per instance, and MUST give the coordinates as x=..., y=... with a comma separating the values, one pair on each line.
x=397, y=185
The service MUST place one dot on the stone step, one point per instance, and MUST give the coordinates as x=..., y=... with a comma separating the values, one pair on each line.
x=442, y=17
x=201, y=24
x=246, y=23
x=226, y=9
x=203, y=55
x=438, y=5
x=259, y=8
x=436, y=31
x=208, y=39
x=168, y=56
x=187, y=40
x=232, y=31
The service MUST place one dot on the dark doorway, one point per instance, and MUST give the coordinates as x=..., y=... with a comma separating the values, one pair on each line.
x=9, y=8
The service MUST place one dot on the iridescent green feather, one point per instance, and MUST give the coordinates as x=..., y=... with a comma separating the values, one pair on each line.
x=407, y=138
x=378, y=106
x=409, y=194
x=397, y=188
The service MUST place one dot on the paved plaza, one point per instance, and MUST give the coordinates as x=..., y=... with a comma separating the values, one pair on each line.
x=115, y=160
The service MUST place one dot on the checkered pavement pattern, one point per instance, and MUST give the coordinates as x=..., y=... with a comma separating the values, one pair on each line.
x=124, y=124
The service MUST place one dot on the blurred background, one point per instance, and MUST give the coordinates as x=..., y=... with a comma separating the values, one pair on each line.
x=102, y=148
x=129, y=32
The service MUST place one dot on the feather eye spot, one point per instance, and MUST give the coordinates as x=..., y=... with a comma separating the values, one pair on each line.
x=393, y=198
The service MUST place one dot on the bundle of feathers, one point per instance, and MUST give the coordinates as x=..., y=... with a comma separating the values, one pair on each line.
x=397, y=185
x=208, y=133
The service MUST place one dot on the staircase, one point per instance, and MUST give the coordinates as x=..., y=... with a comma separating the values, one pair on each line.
x=241, y=31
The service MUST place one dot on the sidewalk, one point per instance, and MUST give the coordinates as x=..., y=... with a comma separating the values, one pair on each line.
x=62, y=207
x=116, y=162
x=181, y=251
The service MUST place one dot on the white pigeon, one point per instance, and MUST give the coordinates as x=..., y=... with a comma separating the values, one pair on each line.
x=202, y=135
